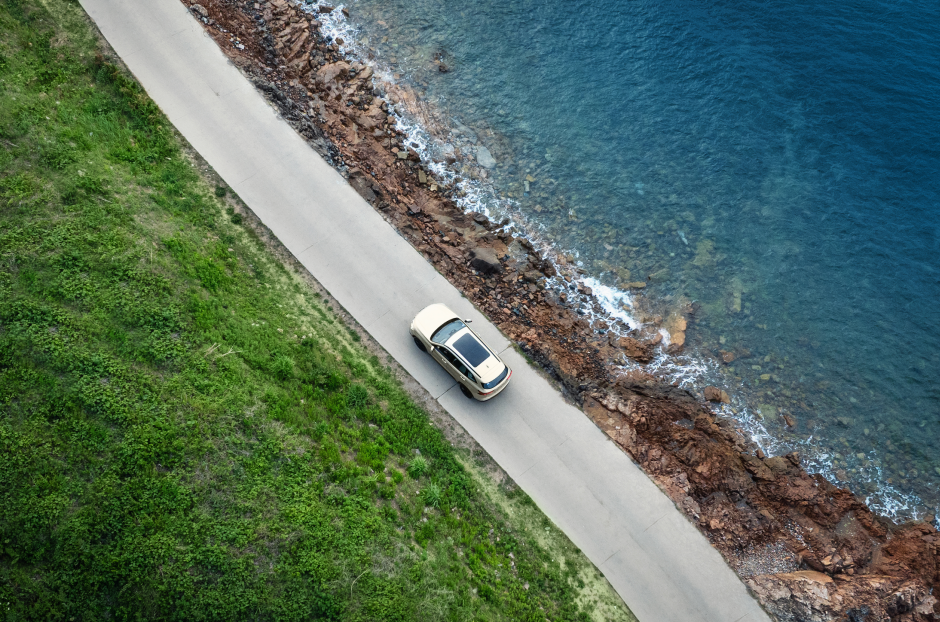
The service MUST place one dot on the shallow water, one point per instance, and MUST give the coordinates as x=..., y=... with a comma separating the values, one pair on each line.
x=777, y=163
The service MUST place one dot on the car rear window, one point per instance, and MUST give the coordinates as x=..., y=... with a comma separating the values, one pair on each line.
x=447, y=331
x=471, y=350
x=495, y=382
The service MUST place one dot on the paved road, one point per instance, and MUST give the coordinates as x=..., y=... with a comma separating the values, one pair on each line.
x=662, y=567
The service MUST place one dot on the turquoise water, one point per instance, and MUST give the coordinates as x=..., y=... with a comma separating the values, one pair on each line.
x=776, y=163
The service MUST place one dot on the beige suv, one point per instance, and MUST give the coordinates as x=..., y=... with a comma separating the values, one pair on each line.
x=440, y=332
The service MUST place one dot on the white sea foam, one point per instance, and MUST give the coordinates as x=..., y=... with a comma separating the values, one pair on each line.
x=691, y=371
x=615, y=302
x=334, y=24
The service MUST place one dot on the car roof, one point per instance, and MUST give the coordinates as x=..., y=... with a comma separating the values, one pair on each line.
x=487, y=368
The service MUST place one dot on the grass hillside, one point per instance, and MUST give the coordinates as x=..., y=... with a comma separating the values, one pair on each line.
x=187, y=432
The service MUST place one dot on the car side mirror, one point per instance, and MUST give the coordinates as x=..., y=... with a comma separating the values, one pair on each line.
x=467, y=321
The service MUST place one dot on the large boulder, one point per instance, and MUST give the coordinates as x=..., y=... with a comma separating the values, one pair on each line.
x=371, y=118
x=778, y=465
x=329, y=73
x=757, y=467
x=637, y=350
x=532, y=276
x=485, y=260
x=676, y=324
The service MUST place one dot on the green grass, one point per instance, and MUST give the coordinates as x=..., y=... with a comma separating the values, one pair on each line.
x=186, y=431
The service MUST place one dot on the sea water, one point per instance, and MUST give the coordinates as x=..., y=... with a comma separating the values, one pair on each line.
x=774, y=163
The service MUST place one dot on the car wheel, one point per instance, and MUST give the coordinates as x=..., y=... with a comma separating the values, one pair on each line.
x=419, y=344
x=466, y=391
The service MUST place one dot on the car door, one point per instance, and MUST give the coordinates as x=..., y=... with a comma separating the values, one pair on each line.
x=464, y=375
x=452, y=364
x=437, y=353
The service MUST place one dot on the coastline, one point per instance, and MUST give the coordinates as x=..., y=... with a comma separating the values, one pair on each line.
x=741, y=500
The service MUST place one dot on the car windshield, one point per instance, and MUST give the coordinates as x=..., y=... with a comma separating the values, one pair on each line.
x=447, y=331
x=495, y=382
x=471, y=350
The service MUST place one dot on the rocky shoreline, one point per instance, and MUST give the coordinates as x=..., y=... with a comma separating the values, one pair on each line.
x=808, y=549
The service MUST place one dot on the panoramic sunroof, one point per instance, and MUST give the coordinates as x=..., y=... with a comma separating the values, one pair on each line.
x=471, y=349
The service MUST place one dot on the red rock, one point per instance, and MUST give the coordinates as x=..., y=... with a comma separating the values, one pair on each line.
x=638, y=351
x=299, y=45
x=371, y=117
x=329, y=73
x=757, y=468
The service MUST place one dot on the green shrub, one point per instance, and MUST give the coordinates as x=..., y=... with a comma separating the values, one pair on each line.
x=357, y=396
x=282, y=367
x=417, y=467
x=432, y=495
x=58, y=156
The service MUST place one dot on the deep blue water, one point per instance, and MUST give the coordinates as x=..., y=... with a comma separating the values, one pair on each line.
x=784, y=154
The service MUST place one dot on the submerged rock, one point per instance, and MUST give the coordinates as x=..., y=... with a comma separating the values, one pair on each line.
x=714, y=394
x=768, y=412
x=485, y=158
